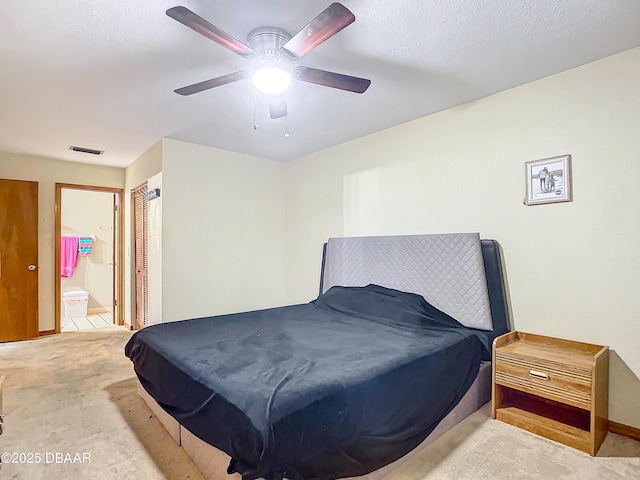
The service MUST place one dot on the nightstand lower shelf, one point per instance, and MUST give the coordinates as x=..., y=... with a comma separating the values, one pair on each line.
x=546, y=427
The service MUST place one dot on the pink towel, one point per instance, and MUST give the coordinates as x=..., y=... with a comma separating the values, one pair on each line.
x=68, y=256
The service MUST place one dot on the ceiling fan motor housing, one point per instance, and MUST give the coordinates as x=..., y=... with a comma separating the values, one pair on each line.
x=268, y=41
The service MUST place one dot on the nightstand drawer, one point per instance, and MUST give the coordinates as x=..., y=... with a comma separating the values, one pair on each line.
x=552, y=380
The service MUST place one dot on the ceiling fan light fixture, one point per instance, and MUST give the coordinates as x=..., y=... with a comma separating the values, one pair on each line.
x=271, y=80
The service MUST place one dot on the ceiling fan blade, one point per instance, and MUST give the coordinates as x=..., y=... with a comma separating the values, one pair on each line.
x=278, y=108
x=214, y=82
x=203, y=27
x=333, y=19
x=331, y=79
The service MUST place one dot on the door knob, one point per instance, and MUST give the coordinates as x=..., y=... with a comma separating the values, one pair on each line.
x=32, y=267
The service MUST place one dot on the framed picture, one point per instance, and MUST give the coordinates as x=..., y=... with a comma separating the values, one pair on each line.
x=548, y=180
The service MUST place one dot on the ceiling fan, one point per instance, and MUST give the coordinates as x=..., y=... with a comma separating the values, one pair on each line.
x=273, y=50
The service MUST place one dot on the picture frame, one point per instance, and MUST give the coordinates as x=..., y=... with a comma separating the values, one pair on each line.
x=548, y=180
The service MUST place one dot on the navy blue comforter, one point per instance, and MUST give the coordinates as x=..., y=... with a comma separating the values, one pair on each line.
x=337, y=387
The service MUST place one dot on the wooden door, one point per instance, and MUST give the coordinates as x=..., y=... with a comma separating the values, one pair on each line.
x=18, y=260
x=141, y=239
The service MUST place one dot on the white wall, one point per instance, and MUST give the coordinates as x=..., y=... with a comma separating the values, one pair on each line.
x=154, y=252
x=86, y=213
x=573, y=268
x=223, y=231
x=48, y=171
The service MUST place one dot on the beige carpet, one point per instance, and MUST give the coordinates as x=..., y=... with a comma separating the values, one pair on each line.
x=75, y=393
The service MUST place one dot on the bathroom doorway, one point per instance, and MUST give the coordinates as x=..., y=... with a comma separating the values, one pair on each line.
x=89, y=275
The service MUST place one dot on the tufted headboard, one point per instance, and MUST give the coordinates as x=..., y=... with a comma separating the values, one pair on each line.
x=457, y=273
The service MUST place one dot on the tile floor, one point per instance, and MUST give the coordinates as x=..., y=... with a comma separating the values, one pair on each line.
x=96, y=320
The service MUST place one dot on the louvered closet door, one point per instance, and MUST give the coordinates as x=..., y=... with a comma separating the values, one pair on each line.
x=141, y=226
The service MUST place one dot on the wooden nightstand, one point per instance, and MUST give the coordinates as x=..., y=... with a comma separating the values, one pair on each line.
x=555, y=388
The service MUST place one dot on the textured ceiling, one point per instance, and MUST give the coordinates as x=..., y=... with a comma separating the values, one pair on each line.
x=101, y=73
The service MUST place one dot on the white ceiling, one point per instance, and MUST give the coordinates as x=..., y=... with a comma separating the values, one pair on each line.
x=101, y=73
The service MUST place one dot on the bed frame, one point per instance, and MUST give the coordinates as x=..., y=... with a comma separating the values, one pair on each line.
x=213, y=463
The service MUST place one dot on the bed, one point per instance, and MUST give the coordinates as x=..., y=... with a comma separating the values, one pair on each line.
x=346, y=385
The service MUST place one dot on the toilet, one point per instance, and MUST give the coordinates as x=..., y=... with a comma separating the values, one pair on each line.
x=75, y=302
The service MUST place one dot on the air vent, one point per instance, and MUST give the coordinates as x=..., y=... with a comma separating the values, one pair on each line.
x=92, y=151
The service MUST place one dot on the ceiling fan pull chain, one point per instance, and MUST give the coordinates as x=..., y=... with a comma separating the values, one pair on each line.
x=286, y=115
x=255, y=101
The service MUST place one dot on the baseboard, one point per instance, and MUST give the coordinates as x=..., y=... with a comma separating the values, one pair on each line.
x=624, y=430
x=127, y=326
x=46, y=332
x=95, y=310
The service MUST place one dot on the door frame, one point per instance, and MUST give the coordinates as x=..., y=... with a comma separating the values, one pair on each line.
x=118, y=272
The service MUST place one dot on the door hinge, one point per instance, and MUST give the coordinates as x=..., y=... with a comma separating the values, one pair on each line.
x=115, y=208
